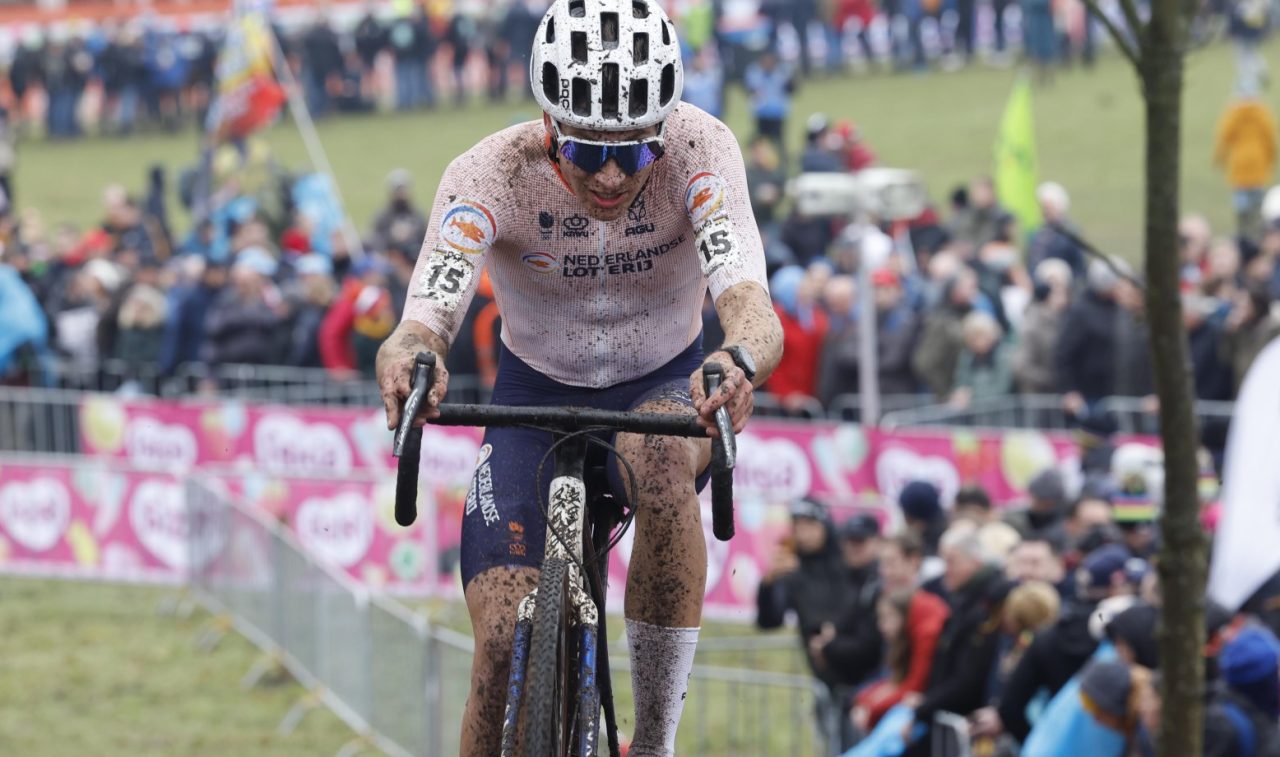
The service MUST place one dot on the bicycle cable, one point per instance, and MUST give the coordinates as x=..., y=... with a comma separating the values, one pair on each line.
x=628, y=512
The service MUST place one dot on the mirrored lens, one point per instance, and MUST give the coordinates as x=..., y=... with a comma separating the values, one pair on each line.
x=592, y=158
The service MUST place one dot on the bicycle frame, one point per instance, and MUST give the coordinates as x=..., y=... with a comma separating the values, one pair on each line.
x=566, y=519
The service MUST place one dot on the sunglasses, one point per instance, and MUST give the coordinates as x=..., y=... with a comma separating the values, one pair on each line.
x=631, y=157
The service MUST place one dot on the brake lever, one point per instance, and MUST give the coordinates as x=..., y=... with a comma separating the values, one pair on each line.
x=423, y=368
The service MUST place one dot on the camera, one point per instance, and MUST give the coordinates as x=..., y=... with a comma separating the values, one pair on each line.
x=890, y=194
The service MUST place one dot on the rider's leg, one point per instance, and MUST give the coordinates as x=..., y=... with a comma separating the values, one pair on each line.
x=666, y=579
x=492, y=598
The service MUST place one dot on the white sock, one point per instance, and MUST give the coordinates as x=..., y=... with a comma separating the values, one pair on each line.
x=661, y=661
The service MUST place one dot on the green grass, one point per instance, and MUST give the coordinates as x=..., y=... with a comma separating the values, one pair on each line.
x=94, y=669
x=1088, y=128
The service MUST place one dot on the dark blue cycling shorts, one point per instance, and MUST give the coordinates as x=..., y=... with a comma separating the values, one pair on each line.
x=502, y=523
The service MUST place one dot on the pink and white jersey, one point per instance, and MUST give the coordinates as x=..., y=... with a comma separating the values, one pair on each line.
x=584, y=302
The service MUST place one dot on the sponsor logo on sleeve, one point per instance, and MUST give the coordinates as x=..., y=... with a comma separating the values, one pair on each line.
x=705, y=197
x=468, y=227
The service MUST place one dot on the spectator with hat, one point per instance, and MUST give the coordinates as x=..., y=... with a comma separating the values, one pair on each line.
x=1242, y=716
x=401, y=225
x=921, y=504
x=851, y=646
x=244, y=323
x=897, y=334
x=1060, y=651
x=1043, y=516
x=804, y=327
x=821, y=152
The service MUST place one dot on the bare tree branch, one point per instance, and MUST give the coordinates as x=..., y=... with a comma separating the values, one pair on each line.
x=1125, y=46
x=1131, y=18
x=1094, y=252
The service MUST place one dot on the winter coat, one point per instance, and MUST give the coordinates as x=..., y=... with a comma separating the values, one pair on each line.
x=816, y=593
x=966, y=651
x=899, y=332
x=1033, y=357
x=242, y=332
x=1212, y=372
x=798, y=372
x=1223, y=738
x=1246, y=144
x=926, y=615
x=853, y=656
x=987, y=376
x=838, y=364
x=939, y=350
x=1049, y=242
x=1243, y=345
x=1055, y=655
x=184, y=329
x=1086, y=351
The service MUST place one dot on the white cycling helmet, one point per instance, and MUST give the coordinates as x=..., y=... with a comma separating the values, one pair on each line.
x=609, y=65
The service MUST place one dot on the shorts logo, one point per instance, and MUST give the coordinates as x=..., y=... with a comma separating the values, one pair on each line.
x=576, y=226
x=546, y=224
x=468, y=227
x=540, y=262
x=481, y=493
x=704, y=198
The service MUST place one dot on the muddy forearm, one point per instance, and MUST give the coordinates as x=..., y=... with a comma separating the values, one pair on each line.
x=747, y=316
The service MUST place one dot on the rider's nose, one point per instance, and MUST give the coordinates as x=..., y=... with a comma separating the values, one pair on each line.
x=611, y=178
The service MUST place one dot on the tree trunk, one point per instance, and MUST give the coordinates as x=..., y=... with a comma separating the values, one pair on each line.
x=1182, y=556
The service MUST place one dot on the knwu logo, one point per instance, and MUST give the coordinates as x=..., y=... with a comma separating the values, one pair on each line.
x=575, y=226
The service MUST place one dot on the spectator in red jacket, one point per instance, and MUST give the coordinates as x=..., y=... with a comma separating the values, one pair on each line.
x=910, y=620
x=361, y=317
x=804, y=329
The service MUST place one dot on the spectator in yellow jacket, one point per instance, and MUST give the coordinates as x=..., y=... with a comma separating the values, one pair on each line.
x=1246, y=150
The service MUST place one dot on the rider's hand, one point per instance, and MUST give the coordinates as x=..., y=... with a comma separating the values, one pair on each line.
x=735, y=393
x=394, y=368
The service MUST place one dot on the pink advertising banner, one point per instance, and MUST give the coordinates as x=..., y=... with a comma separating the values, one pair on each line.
x=328, y=474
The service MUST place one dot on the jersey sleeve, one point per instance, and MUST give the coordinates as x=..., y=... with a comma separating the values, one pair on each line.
x=718, y=202
x=462, y=229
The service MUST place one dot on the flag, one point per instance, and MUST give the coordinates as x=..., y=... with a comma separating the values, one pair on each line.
x=1245, y=552
x=1016, y=165
x=249, y=97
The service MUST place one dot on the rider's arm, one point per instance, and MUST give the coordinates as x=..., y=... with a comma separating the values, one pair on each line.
x=729, y=248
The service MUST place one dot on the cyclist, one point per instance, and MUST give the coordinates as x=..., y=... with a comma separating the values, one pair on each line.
x=602, y=228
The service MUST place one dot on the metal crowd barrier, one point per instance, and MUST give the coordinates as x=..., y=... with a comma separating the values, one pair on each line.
x=1131, y=415
x=401, y=682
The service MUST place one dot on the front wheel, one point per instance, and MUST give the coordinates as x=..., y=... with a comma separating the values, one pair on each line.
x=552, y=682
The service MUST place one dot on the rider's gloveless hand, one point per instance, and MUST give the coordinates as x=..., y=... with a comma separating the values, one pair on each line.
x=394, y=369
x=736, y=393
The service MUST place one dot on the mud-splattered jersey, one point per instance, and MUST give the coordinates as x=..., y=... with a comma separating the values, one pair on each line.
x=589, y=303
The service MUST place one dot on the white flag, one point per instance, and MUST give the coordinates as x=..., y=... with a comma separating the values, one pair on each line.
x=1246, y=548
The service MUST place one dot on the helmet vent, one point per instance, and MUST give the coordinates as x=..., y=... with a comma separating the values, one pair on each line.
x=609, y=30
x=550, y=82
x=666, y=34
x=578, y=8
x=639, y=98
x=551, y=30
x=639, y=9
x=579, y=44
x=609, y=99
x=581, y=97
x=640, y=48
x=668, y=84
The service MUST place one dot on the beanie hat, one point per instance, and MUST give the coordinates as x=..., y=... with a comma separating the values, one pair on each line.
x=920, y=500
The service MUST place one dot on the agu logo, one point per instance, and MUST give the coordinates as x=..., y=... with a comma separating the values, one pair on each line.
x=540, y=262
x=468, y=227
x=704, y=198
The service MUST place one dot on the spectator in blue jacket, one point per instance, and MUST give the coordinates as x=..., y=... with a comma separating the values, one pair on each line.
x=771, y=85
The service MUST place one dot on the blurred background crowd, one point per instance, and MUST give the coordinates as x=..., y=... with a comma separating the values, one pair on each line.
x=1036, y=624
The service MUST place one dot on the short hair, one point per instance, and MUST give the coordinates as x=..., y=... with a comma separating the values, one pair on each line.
x=1053, y=268
x=964, y=538
x=1054, y=194
x=973, y=496
x=978, y=323
x=908, y=544
x=1055, y=541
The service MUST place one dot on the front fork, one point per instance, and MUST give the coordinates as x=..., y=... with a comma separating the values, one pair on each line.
x=566, y=511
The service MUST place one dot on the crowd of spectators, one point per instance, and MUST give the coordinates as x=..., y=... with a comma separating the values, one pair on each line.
x=1036, y=623
x=112, y=77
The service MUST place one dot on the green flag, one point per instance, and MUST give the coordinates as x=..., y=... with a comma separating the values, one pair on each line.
x=1016, y=166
